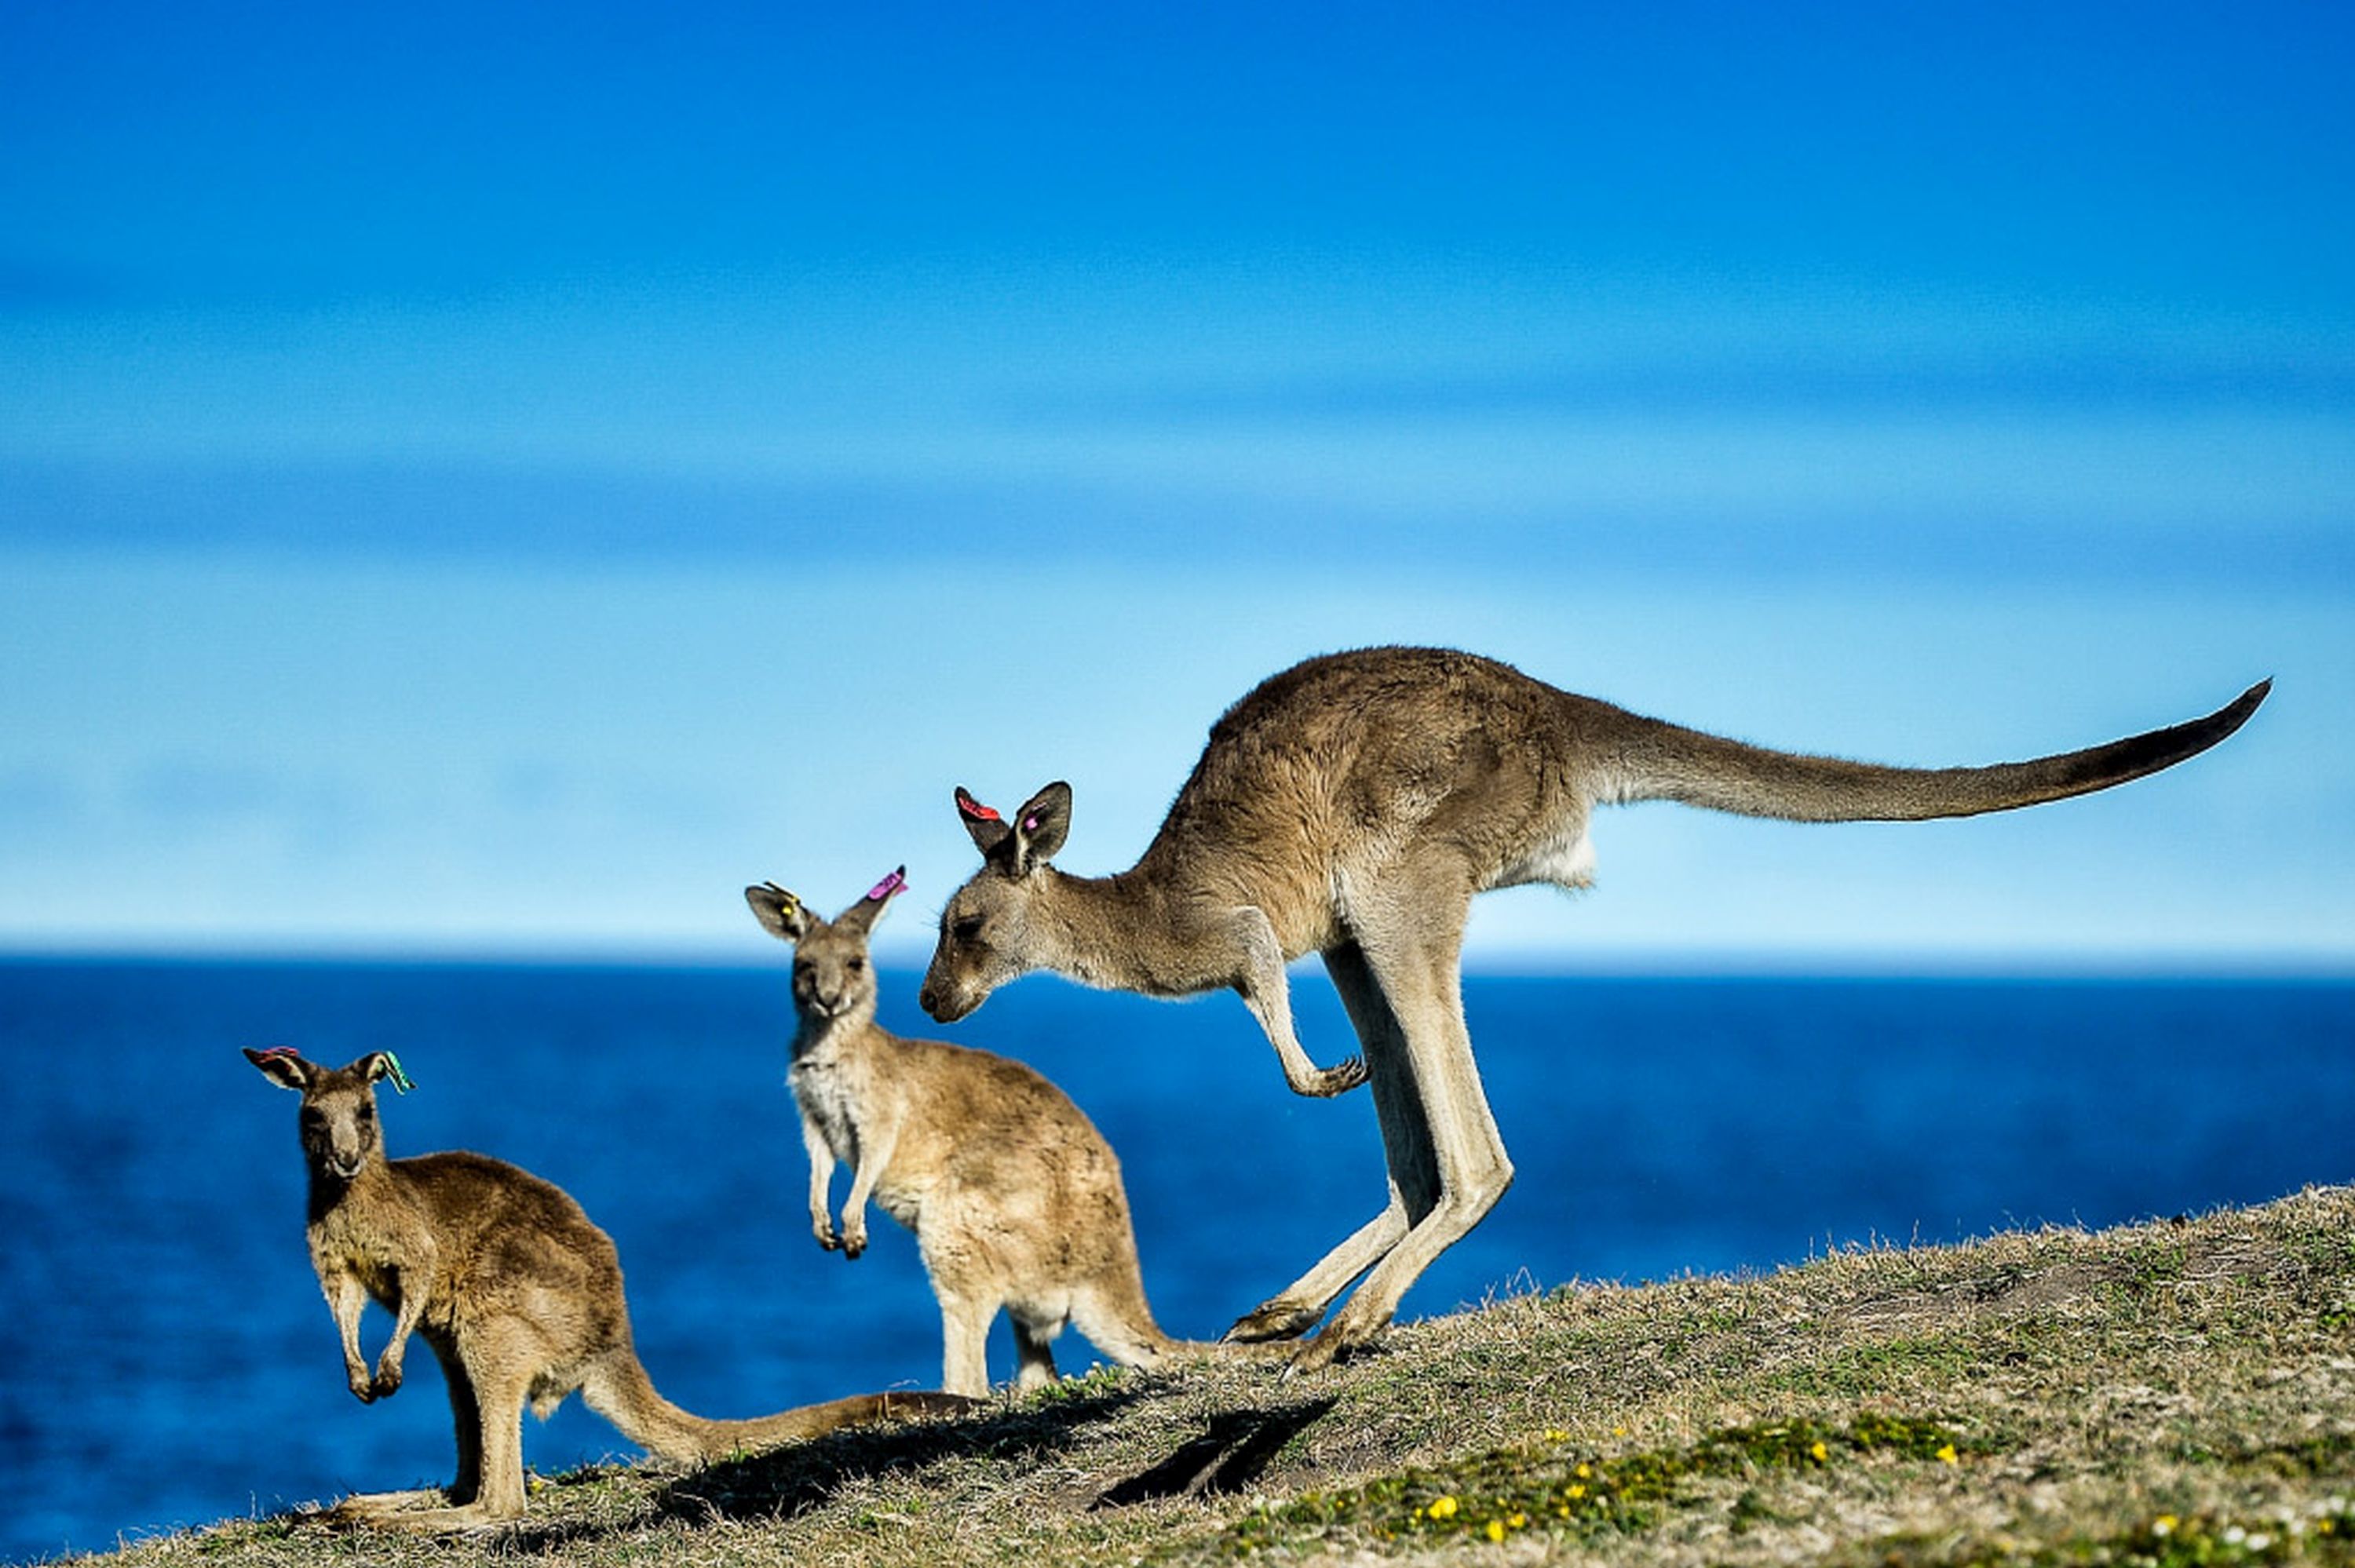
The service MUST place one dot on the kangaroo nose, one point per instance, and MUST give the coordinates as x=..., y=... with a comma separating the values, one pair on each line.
x=924, y=999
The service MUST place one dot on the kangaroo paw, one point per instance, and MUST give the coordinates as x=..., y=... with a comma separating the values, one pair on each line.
x=1324, y=1083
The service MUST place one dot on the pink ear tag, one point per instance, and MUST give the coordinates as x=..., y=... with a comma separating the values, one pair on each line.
x=272, y=1052
x=1031, y=823
x=895, y=883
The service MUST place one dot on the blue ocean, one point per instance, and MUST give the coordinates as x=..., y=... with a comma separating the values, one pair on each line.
x=168, y=1359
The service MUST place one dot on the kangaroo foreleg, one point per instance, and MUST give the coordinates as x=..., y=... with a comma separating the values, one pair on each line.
x=1267, y=991
x=413, y=1293
x=821, y=1179
x=346, y=1297
x=876, y=1142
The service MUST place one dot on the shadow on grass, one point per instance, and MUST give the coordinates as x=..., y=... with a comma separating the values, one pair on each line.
x=794, y=1481
x=1232, y=1454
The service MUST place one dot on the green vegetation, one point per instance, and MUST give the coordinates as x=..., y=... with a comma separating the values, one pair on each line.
x=2161, y=1396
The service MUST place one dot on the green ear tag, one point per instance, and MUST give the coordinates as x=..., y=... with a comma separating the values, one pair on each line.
x=399, y=1079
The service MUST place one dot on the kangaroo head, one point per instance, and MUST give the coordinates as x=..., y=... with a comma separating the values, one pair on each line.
x=833, y=978
x=340, y=1133
x=986, y=936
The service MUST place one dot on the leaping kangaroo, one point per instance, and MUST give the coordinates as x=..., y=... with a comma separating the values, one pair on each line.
x=517, y=1292
x=1351, y=806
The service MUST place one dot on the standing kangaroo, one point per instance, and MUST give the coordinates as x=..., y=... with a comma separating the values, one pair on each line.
x=517, y=1292
x=1015, y=1197
x=1351, y=806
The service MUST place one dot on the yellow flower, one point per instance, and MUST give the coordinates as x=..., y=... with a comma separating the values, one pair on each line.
x=1518, y=1521
x=1577, y=1491
x=1555, y=1435
x=1441, y=1508
x=1818, y=1453
x=1584, y=1469
x=2163, y=1525
x=1946, y=1455
x=1618, y=1432
x=1496, y=1530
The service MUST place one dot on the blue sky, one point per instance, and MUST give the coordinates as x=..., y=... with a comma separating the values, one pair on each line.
x=497, y=482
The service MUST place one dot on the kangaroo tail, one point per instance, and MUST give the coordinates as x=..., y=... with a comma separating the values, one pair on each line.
x=1118, y=1320
x=622, y=1392
x=1662, y=761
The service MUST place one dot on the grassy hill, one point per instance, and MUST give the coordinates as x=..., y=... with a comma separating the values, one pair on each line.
x=2174, y=1392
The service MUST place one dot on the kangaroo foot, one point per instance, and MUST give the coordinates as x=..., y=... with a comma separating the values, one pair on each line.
x=1342, y=1338
x=375, y=1508
x=1314, y=1355
x=1276, y=1320
x=446, y=1521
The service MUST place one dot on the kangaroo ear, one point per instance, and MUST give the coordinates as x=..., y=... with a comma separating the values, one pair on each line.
x=1041, y=826
x=779, y=911
x=282, y=1067
x=378, y=1065
x=863, y=914
x=987, y=829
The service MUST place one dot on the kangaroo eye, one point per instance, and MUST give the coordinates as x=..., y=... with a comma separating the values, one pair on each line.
x=857, y=966
x=966, y=929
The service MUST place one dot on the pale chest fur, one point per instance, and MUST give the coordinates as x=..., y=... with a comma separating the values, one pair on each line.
x=829, y=1090
x=857, y=1105
x=380, y=1251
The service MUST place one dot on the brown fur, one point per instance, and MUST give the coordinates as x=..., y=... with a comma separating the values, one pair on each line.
x=1352, y=806
x=1015, y=1198
x=519, y=1295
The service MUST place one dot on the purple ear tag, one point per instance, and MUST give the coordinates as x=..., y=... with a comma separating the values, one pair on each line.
x=895, y=883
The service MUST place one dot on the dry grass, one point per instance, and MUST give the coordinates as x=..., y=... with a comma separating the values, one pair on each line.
x=2179, y=1393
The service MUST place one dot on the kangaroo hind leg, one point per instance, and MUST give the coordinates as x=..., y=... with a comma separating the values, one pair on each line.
x=500, y=1383
x=1033, y=1353
x=1448, y=1162
x=965, y=1341
x=1296, y=1308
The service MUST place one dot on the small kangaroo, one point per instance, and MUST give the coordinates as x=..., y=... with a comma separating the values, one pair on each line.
x=1351, y=806
x=517, y=1292
x=1014, y=1196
